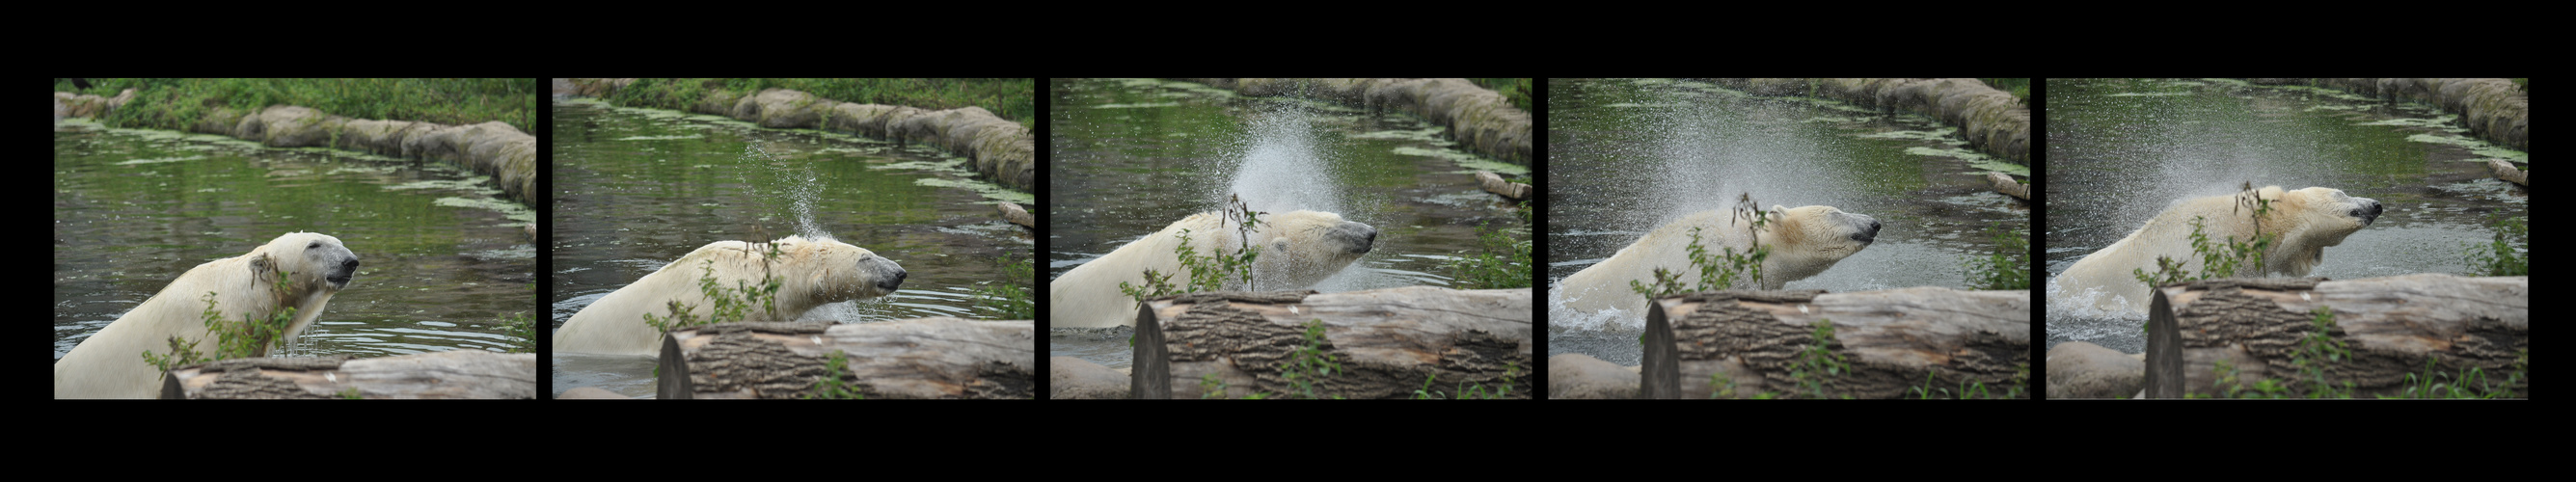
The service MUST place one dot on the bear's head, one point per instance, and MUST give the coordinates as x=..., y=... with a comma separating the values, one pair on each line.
x=1817, y=235
x=316, y=263
x=1303, y=247
x=832, y=271
x=2311, y=219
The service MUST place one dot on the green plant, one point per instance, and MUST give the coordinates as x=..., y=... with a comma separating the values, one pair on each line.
x=1504, y=262
x=248, y=338
x=831, y=386
x=2008, y=267
x=2508, y=254
x=1817, y=363
x=1309, y=363
x=1207, y=273
x=1009, y=298
x=728, y=304
x=2221, y=259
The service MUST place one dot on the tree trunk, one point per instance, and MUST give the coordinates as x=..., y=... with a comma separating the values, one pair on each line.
x=446, y=374
x=2391, y=325
x=1893, y=341
x=1387, y=342
x=916, y=358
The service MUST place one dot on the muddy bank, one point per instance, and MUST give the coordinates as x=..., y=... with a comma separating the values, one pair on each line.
x=1478, y=118
x=2493, y=109
x=999, y=148
x=1989, y=119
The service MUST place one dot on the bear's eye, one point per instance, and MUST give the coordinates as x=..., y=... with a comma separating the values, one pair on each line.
x=316, y=244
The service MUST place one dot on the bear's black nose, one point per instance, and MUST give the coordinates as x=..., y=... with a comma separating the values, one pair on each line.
x=891, y=282
x=2369, y=211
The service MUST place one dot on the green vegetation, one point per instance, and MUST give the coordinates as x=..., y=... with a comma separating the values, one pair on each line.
x=730, y=304
x=2508, y=255
x=1505, y=262
x=522, y=332
x=248, y=338
x=1721, y=271
x=2218, y=260
x=831, y=386
x=1816, y=367
x=2020, y=88
x=1010, y=298
x=1515, y=90
x=1206, y=273
x=2021, y=381
x=1306, y=366
x=1008, y=98
x=2319, y=351
x=176, y=104
x=2008, y=268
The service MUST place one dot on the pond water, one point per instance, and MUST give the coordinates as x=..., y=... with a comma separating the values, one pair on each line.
x=1629, y=155
x=1130, y=156
x=637, y=188
x=2121, y=150
x=443, y=257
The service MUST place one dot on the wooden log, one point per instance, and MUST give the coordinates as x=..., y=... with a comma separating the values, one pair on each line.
x=1892, y=339
x=2390, y=324
x=2005, y=184
x=1495, y=184
x=2504, y=170
x=917, y=358
x=1013, y=213
x=446, y=374
x=1387, y=341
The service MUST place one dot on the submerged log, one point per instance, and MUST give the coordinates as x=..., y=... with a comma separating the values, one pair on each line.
x=1387, y=341
x=446, y=374
x=1891, y=339
x=917, y=358
x=1013, y=213
x=2504, y=170
x=2005, y=184
x=1495, y=184
x=2391, y=325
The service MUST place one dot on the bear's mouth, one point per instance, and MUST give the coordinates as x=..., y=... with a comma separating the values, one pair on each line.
x=2369, y=210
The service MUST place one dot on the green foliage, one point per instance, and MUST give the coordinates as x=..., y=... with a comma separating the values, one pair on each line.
x=1309, y=363
x=2222, y=259
x=179, y=103
x=1009, y=299
x=1471, y=392
x=1517, y=91
x=2008, y=268
x=832, y=386
x=2508, y=255
x=730, y=304
x=1208, y=273
x=1716, y=272
x=2021, y=381
x=1505, y=262
x=248, y=338
x=1817, y=363
x=522, y=332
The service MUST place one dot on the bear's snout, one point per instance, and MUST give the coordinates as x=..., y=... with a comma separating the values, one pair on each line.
x=2369, y=210
x=340, y=275
x=1868, y=232
x=892, y=280
x=1359, y=237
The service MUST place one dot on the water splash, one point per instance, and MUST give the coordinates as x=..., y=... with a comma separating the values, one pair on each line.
x=795, y=182
x=1281, y=168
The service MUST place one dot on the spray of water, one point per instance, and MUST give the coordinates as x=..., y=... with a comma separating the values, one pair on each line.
x=794, y=182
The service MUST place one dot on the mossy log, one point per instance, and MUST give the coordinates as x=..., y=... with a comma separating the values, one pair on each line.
x=1892, y=340
x=2391, y=325
x=917, y=358
x=2506, y=171
x=2005, y=184
x=1388, y=341
x=446, y=374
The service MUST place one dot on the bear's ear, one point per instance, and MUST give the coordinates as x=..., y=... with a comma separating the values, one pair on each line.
x=1777, y=213
x=261, y=265
x=2270, y=193
x=1280, y=245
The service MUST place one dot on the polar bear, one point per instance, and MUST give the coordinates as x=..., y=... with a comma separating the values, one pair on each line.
x=1298, y=249
x=812, y=273
x=1804, y=241
x=109, y=364
x=2308, y=220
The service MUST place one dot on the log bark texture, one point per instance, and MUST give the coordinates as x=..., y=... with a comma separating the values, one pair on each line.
x=2391, y=325
x=446, y=374
x=916, y=358
x=1892, y=339
x=1387, y=341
